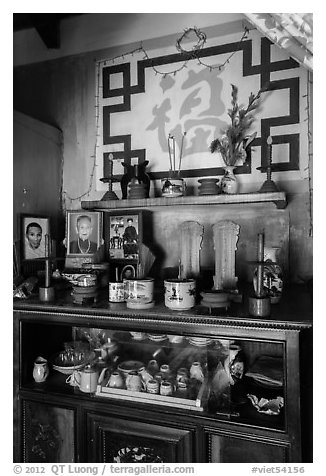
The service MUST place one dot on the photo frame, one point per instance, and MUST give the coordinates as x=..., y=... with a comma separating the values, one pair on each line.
x=123, y=236
x=34, y=228
x=83, y=233
x=123, y=270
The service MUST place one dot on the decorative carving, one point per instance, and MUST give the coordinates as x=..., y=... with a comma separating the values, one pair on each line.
x=225, y=237
x=191, y=237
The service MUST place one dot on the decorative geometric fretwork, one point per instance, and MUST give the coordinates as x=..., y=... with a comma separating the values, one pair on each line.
x=264, y=70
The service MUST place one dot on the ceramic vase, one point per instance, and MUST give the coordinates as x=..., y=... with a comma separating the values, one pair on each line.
x=229, y=182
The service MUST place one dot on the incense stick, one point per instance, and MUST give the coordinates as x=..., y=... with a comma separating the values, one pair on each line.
x=169, y=147
x=181, y=150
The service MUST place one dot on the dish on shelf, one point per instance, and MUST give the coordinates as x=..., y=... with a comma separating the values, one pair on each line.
x=157, y=337
x=129, y=365
x=200, y=341
x=69, y=368
x=174, y=339
x=138, y=335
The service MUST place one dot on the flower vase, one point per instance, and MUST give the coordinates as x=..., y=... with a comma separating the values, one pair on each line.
x=229, y=182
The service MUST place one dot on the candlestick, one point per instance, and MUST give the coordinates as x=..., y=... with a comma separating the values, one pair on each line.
x=108, y=178
x=260, y=250
x=268, y=185
x=260, y=267
x=47, y=261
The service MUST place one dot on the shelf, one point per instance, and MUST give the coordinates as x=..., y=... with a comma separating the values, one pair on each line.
x=278, y=198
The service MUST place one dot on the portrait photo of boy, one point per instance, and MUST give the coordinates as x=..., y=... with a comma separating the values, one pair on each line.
x=34, y=230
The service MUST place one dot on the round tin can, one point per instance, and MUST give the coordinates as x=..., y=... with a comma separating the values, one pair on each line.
x=116, y=292
x=139, y=290
x=179, y=293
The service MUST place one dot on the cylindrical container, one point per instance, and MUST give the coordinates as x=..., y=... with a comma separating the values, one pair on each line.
x=166, y=388
x=259, y=306
x=116, y=292
x=87, y=280
x=40, y=370
x=165, y=371
x=134, y=382
x=139, y=290
x=153, y=386
x=179, y=293
x=173, y=187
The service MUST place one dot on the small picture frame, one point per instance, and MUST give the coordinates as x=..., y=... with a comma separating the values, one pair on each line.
x=83, y=233
x=33, y=231
x=123, y=236
x=120, y=270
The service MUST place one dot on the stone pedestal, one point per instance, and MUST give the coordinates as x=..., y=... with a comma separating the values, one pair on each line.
x=225, y=238
x=191, y=236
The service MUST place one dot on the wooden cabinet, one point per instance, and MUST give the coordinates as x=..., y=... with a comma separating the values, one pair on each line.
x=210, y=427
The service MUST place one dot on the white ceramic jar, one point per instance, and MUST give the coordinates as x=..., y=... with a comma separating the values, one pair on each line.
x=139, y=290
x=179, y=294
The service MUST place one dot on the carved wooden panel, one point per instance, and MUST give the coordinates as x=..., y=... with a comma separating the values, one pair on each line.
x=116, y=440
x=48, y=433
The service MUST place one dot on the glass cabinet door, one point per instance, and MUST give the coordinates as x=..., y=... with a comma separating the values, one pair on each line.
x=236, y=379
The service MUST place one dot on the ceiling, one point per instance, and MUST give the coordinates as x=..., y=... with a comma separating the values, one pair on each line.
x=46, y=24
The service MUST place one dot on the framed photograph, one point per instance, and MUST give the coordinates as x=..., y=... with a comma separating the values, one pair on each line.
x=118, y=271
x=33, y=232
x=123, y=235
x=83, y=233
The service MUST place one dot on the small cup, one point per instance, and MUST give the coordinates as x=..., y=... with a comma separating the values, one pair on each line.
x=153, y=386
x=179, y=293
x=134, y=382
x=166, y=388
x=139, y=290
x=116, y=292
x=115, y=380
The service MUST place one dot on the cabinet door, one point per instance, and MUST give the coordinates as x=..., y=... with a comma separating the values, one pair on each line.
x=233, y=449
x=48, y=433
x=116, y=440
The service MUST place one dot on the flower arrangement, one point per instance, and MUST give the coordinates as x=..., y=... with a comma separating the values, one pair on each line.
x=236, y=138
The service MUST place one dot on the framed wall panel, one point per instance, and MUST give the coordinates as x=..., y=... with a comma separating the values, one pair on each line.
x=115, y=440
x=48, y=433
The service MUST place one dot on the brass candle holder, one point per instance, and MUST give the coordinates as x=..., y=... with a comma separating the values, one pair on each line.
x=46, y=293
x=268, y=185
x=109, y=179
